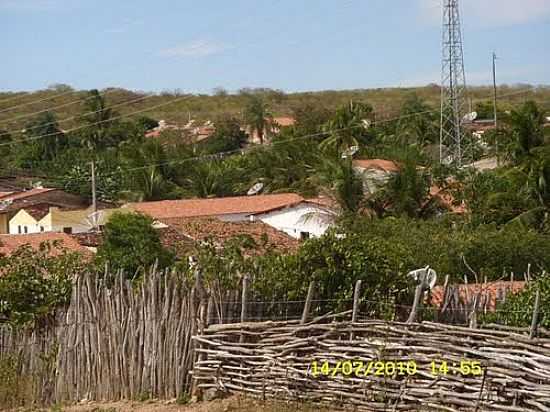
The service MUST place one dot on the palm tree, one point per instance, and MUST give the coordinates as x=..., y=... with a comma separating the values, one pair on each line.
x=346, y=127
x=98, y=118
x=525, y=132
x=406, y=193
x=258, y=118
x=148, y=173
x=413, y=128
x=339, y=181
x=538, y=187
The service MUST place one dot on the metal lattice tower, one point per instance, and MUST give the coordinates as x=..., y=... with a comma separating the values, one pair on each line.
x=453, y=88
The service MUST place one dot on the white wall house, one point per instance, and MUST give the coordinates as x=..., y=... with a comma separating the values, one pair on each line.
x=287, y=212
x=56, y=220
x=300, y=221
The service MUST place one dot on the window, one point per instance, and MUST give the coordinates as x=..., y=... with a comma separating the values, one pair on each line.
x=101, y=228
x=19, y=229
x=25, y=229
x=68, y=230
x=304, y=235
x=41, y=228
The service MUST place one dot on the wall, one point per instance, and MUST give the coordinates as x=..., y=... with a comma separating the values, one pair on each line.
x=4, y=224
x=23, y=219
x=294, y=220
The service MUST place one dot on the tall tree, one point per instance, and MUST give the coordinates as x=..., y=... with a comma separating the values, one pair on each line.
x=347, y=127
x=98, y=117
x=258, y=118
x=43, y=140
x=525, y=132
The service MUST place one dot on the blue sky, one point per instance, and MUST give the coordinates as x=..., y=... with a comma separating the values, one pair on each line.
x=294, y=45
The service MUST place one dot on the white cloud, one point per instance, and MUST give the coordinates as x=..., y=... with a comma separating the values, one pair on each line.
x=197, y=48
x=491, y=13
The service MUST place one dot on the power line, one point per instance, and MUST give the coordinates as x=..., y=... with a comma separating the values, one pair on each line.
x=25, y=115
x=8, y=109
x=102, y=121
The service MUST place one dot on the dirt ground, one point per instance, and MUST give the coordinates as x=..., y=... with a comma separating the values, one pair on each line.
x=233, y=404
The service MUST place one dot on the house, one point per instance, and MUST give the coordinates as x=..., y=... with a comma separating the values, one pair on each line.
x=375, y=172
x=488, y=295
x=197, y=131
x=265, y=238
x=39, y=200
x=10, y=243
x=287, y=212
x=37, y=220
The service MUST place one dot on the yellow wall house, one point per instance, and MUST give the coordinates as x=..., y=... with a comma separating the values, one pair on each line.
x=68, y=221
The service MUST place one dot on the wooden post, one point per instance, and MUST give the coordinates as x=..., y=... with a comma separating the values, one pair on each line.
x=535, y=320
x=356, y=294
x=416, y=303
x=244, y=303
x=307, y=305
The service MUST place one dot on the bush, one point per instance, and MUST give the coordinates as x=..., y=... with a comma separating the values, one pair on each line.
x=130, y=243
x=35, y=282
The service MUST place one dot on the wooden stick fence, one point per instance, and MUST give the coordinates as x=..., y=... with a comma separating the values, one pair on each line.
x=275, y=361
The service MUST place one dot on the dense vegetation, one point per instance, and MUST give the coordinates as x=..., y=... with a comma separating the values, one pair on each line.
x=378, y=237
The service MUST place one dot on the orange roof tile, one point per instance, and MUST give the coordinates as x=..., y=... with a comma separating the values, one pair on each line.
x=10, y=243
x=216, y=206
x=468, y=292
x=266, y=237
x=284, y=121
x=380, y=164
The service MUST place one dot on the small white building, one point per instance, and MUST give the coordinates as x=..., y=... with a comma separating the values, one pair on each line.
x=30, y=220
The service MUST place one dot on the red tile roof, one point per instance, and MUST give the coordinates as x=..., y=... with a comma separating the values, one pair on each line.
x=284, y=121
x=266, y=237
x=491, y=289
x=3, y=194
x=10, y=243
x=216, y=206
x=380, y=164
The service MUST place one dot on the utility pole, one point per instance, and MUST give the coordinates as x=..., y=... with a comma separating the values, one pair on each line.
x=94, y=196
x=495, y=105
x=453, y=88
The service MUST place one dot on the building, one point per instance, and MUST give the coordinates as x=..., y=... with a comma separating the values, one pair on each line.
x=277, y=124
x=264, y=237
x=375, y=172
x=287, y=212
x=37, y=201
x=37, y=220
x=10, y=243
x=193, y=129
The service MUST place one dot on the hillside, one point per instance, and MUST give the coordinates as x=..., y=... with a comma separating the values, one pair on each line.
x=16, y=108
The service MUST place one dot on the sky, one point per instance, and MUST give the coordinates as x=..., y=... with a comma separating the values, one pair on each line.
x=293, y=45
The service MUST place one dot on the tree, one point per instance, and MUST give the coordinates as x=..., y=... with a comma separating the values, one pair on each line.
x=347, y=127
x=417, y=124
x=525, y=132
x=148, y=170
x=257, y=117
x=98, y=117
x=42, y=142
x=227, y=137
x=405, y=194
x=342, y=183
x=131, y=243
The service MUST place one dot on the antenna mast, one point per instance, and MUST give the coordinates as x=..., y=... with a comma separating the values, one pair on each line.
x=453, y=88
